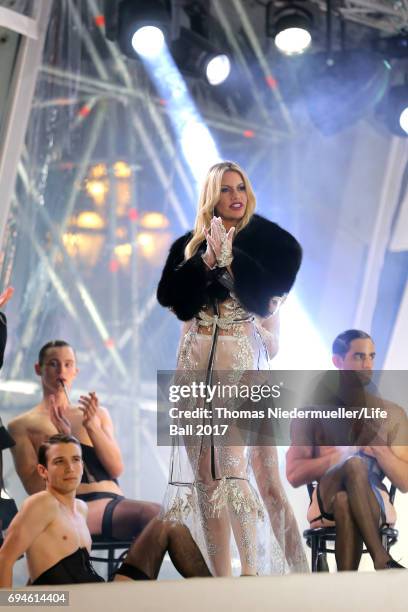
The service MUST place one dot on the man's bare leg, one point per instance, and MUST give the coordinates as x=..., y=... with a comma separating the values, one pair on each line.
x=146, y=554
x=352, y=477
x=349, y=543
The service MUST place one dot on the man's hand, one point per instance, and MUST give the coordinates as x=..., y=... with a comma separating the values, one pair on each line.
x=58, y=416
x=6, y=296
x=89, y=404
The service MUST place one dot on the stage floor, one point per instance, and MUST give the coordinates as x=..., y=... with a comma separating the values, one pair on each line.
x=384, y=591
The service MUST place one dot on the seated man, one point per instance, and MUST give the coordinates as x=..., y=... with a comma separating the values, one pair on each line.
x=51, y=528
x=109, y=512
x=350, y=492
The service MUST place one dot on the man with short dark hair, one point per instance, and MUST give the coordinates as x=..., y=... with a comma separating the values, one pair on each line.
x=110, y=513
x=350, y=492
x=51, y=525
x=51, y=529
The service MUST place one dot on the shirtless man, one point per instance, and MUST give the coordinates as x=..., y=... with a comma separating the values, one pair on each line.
x=51, y=526
x=350, y=492
x=110, y=514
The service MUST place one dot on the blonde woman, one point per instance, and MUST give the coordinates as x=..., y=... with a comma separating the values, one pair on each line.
x=226, y=280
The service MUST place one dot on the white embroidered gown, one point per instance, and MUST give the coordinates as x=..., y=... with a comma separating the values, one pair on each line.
x=231, y=497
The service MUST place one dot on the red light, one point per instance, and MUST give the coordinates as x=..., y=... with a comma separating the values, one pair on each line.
x=113, y=265
x=100, y=20
x=109, y=343
x=133, y=214
x=84, y=111
x=249, y=133
x=271, y=82
x=162, y=101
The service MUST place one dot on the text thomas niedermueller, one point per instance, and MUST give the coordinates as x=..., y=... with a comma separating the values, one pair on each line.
x=279, y=413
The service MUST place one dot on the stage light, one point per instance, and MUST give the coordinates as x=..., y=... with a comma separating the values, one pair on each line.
x=84, y=246
x=148, y=41
x=98, y=171
x=293, y=41
x=404, y=120
x=123, y=253
x=154, y=220
x=290, y=26
x=196, y=56
x=139, y=27
x=97, y=190
x=90, y=220
x=218, y=69
x=122, y=170
x=394, y=109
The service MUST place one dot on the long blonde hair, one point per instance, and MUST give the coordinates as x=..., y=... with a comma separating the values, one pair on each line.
x=209, y=198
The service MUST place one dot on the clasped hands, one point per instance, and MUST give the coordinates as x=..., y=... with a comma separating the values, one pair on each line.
x=219, y=244
x=219, y=253
x=89, y=404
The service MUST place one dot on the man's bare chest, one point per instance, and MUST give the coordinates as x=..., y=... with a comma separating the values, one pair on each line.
x=66, y=533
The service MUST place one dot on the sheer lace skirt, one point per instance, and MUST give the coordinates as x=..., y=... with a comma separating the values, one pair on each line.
x=231, y=497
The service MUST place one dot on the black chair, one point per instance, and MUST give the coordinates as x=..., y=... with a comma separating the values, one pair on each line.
x=318, y=538
x=111, y=547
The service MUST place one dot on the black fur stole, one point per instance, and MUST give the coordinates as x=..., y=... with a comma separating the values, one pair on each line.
x=265, y=264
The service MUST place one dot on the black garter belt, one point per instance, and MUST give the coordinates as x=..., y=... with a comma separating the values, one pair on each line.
x=107, y=526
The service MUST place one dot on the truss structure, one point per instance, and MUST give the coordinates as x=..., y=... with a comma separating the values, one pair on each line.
x=390, y=17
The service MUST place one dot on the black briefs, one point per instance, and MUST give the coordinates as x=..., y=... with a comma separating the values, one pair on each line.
x=94, y=471
x=107, y=527
x=131, y=572
x=73, y=569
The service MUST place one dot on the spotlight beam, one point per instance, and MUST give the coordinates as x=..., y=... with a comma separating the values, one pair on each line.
x=153, y=111
x=187, y=122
